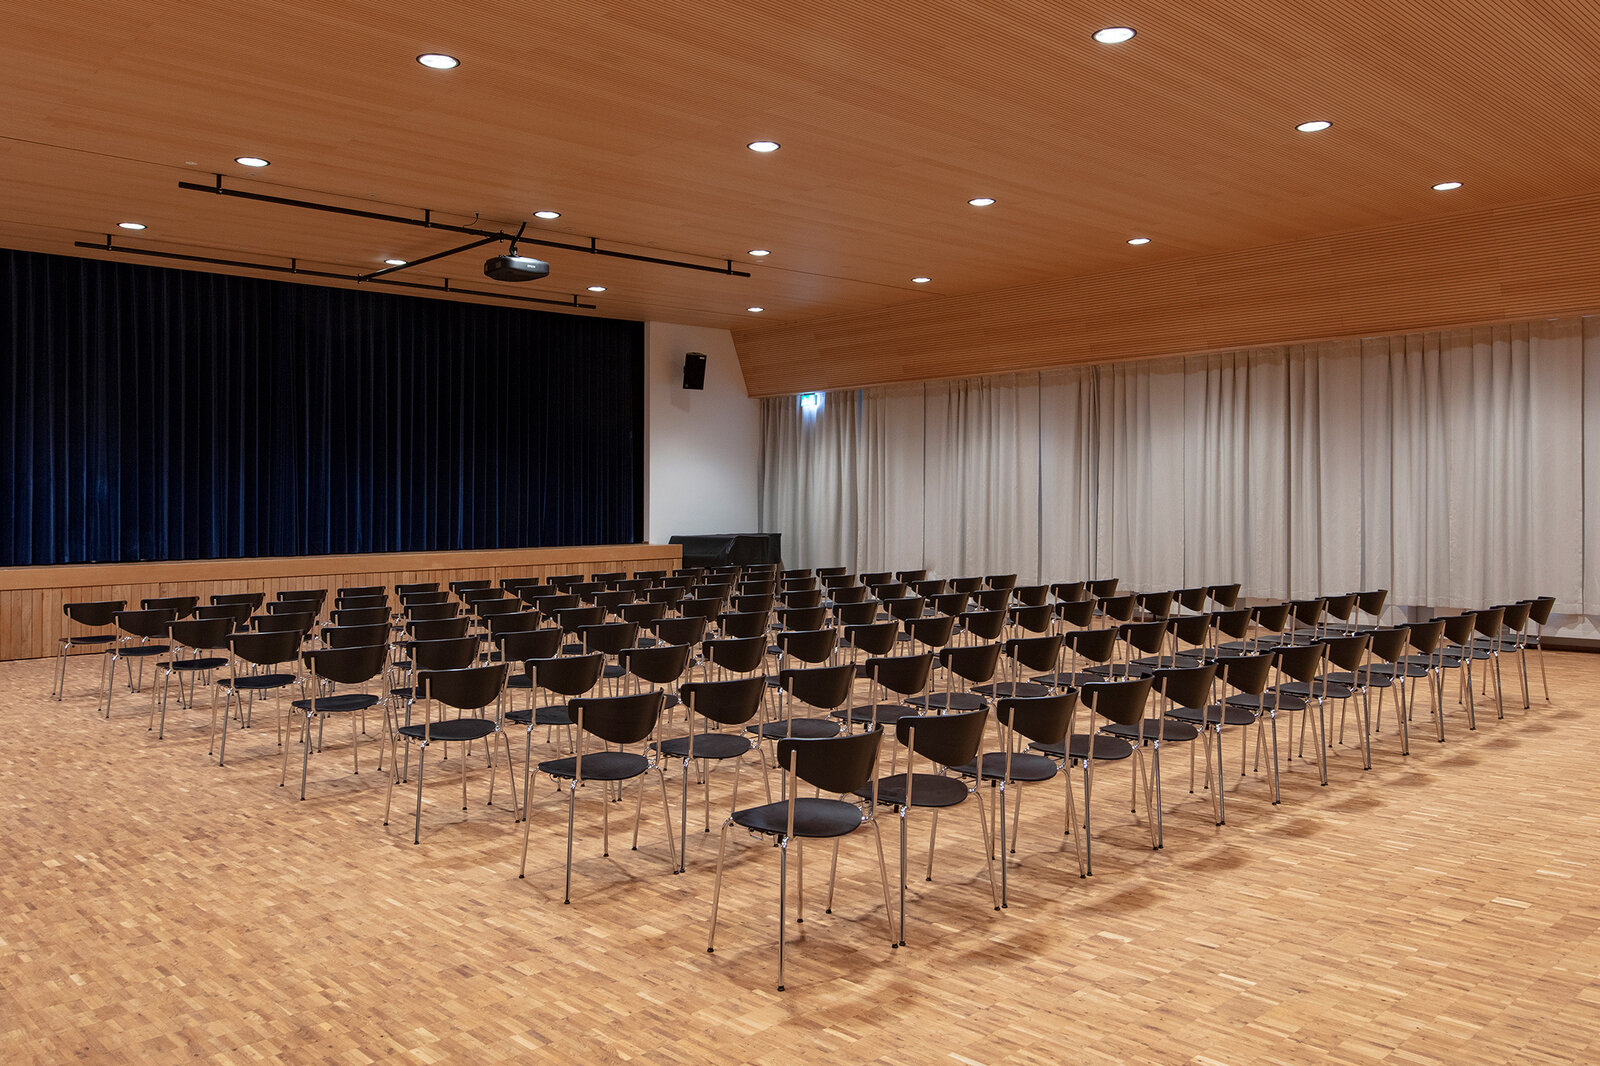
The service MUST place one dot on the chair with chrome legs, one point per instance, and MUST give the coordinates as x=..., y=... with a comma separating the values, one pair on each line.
x=1539, y=614
x=1389, y=645
x=975, y=665
x=1041, y=720
x=328, y=668
x=825, y=688
x=472, y=688
x=620, y=720
x=1422, y=663
x=199, y=636
x=947, y=741
x=1035, y=653
x=1095, y=646
x=1348, y=655
x=904, y=675
x=1247, y=675
x=567, y=675
x=1185, y=687
x=91, y=621
x=139, y=629
x=1455, y=653
x=727, y=703
x=1513, y=639
x=837, y=766
x=260, y=652
x=1488, y=624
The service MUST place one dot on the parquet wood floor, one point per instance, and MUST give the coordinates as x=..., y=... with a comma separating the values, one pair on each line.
x=1442, y=908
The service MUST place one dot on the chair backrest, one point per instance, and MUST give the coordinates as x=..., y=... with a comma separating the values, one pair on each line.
x=1347, y=652
x=904, y=607
x=1224, y=596
x=756, y=601
x=707, y=607
x=516, y=622
x=475, y=596
x=909, y=576
x=425, y=596
x=1036, y=653
x=1516, y=615
x=1425, y=636
x=837, y=765
x=432, y=612
x=873, y=638
x=1156, y=604
x=467, y=585
x=642, y=612
x=569, y=675
x=945, y=739
x=151, y=622
x=358, y=616
x=1309, y=612
x=183, y=606
x=1041, y=719
x=1390, y=644
x=93, y=612
x=825, y=687
x=1300, y=661
x=469, y=688
x=661, y=664
x=740, y=654
x=609, y=637
x=732, y=702
x=1035, y=619
x=355, y=636
x=877, y=577
x=800, y=597
x=515, y=585
x=1186, y=686
x=1271, y=616
x=356, y=603
x=951, y=603
x=1147, y=637
x=487, y=609
x=572, y=619
x=850, y=593
x=934, y=630
x=1120, y=608
x=1372, y=602
x=1233, y=622
x=252, y=599
x=265, y=649
x=1192, y=629
x=1458, y=627
x=802, y=617
x=743, y=623
x=1069, y=591
x=437, y=628
x=316, y=595
x=619, y=719
x=279, y=623
x=1100, y=588
x=352, y=665
x=687, y=630
x=856, y=614
x=809, y=645
x=1340, y=607
x=1539, y=610
x=1122, y=702
x=1078, y=613
x=1192, y=599
x=361, y=590
x=1031, y=595
x=971, y=662
x=930, y=586
x=1000, y=581
x=522, y=645
x=416, y=586
x=239, y=612
x=452, y=653
x=1248, y=674
x=983, y=625
x=905, y=674
x=1490, y=620
x=966, y=584
x=1096, y=645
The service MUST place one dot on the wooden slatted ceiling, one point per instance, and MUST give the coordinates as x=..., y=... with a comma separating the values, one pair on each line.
x=1514, y=263
x=631, y=120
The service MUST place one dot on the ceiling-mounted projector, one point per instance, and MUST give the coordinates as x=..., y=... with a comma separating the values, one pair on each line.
x=515, y=268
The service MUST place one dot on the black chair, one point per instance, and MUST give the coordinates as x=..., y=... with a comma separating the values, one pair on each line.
x=252, y=599
x=237, y=614
x=88, y=623
x=642, y=612
x=200, y=636
x=904, y=675
x=661, y=665
x=360, y=603
x=327, y=668
x=981, y=626
x=932, y=631
x=1347, y=655
x=139, y=629
x=358, y=616
x=412, y=587
x=1248, y=676
x=947, y=740
x=730, y=703
x=740, y=624
x=260, y=652
x=739, y=655
x=520, y=645
x=1388, y=645
x=835, y=765
x=181, y=606
x=619, y=720
x=365, y=591
x=1302, y=665
x=1539, y=614
x=472, y=688
x=568, y=676
x=1041, y=722
x=957, y=584
x=354, y=636
x=825, y=688
x=1070, y=591
x=975, y=664
x=1181, y=687
x=1035, y=653
x=1094, y=646
x=1455, y=653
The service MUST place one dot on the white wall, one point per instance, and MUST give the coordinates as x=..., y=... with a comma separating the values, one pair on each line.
x=702, y=448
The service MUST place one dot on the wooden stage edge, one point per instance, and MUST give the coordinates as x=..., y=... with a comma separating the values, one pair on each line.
x=31, y=621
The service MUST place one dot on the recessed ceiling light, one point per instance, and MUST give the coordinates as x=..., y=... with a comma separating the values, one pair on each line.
x=759, y=252
x=755, y=310
x=438, y=61
x=981, y=201
x=1138, y=240
x=252, y=161
x=597, y=288
x=131, y=225
x=1114, y=35
x=763, y=146
x=1446, y=186
x=920, y=281
x=395, y=262
x=547, y=214
x=1315, y=126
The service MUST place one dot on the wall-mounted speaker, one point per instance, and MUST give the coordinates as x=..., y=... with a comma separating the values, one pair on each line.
x=694, y=370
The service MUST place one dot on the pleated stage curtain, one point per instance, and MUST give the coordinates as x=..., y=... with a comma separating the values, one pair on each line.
x=156, y=414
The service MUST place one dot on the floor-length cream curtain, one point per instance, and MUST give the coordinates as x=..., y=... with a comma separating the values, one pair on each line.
x=808, y=478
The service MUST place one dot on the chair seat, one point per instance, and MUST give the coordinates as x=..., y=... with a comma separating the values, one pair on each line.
x=90, y=638
x=556, y=715
x=1208, y=715
x=1312, y=689
x=813, y=817
x=208, y=662
x=884, y=714
x=927, y=790
x=257, y=682
x=1016, y=689
x=519, y=681
x=1265, y=702
x=1410, y=666
x=613, y=670
x=949, y=701
x=1116, y=670
x=1106, y=748
x=806, y=728
x=451, y=730
x=338, y=703
x=706, y=746
x=1024, y=767
x=599, y=766
x=140, y=651
x=1368, y=676
x=1170, y=732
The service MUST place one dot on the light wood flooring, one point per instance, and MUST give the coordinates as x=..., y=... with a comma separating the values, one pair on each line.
x=1441, y=908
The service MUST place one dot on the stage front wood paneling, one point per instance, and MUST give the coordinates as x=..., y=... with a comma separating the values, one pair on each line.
x=32, y=623
x=1517, y=262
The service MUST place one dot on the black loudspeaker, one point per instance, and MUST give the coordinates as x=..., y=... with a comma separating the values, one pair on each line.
x=694, y=370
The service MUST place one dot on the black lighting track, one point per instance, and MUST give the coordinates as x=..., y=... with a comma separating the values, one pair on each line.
x=427, y=222
x=295, y=268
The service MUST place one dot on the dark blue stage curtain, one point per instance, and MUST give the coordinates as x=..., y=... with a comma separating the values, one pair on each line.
x=167, y=414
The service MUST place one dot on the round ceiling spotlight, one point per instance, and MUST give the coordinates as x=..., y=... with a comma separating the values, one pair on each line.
x=1314, y=126
x=1447, y=186
x=131, y=225
x=920, y=281
x=252, y=161
x=395, y=262
x=755, y=310
x=1138, y=240
x=763, y=146
x=981, y=201
x=1114, y=34
x=438, y=61
x=547, y=215
x=597, y=288
x=759, y=252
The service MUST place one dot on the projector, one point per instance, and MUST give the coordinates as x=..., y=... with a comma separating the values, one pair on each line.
x=515, y=268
